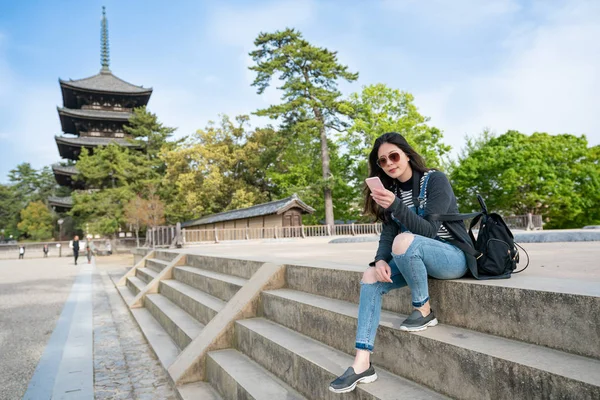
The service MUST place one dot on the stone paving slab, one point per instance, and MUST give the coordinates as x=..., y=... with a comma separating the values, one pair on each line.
x=124, y=365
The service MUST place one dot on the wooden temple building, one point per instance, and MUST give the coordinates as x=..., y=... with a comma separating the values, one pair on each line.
x=93, y=114
x=279, y=213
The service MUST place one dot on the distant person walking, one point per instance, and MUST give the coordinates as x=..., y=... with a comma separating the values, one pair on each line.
x=88, y=252
x=21, y=252
x=108, y=247
x=75, y=246
x=45, y=250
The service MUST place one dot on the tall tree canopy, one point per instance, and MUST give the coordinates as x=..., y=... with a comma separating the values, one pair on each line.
x=312, y=104
x=213, y=171
x=556, y=176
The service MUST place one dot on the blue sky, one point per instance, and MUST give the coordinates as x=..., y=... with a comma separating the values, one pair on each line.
x=498, y=64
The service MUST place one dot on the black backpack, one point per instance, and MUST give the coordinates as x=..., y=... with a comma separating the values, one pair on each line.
x=495, y=249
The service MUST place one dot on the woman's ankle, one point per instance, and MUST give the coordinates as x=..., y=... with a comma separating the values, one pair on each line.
x=361, y=361
x=425, y=309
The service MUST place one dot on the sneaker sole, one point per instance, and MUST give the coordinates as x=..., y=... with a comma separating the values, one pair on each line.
x=433, y=322
x=364, y=379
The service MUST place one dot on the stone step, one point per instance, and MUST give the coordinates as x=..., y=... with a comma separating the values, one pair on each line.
x=494, y=306
x=180, y=325
x=235, y=376
x=135, y=284
x=309, y=366
x=146, y=274
x=125, y=293
x=200, y=305
x=165, y=255
x=163, y=346
x=156, y=265
x=454, y=361
x=214, y=283
x=198, y=391
x=228, y=266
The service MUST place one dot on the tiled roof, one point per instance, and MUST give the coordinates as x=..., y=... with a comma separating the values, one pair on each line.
x=87, y=141
x=66, y=202
x=105, y=81
x=95, y=114
x=64, y=170
x=273, y=207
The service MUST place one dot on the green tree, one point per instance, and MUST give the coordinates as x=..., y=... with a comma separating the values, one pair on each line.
x=210, y=172
x=379, y=109
x=312, y=103
x=9, y=212
x=151, y=135
x=114, y=166
x=30, y=184
x=555, y=176
x=102, y=211
x=36, y=221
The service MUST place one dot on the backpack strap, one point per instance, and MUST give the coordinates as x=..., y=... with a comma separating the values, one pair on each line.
x=416, y=189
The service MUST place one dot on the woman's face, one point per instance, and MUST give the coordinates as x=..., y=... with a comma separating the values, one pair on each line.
x=394, y=162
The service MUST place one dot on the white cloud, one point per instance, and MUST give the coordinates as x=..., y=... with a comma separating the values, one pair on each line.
x=453, y=15
x=548, y=83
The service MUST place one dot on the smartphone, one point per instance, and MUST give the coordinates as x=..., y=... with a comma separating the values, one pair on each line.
x=374, y=183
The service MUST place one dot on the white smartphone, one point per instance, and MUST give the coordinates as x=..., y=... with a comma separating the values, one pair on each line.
x=374, y=183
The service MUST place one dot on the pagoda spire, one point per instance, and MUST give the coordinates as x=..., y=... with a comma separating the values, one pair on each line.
x=104, y=51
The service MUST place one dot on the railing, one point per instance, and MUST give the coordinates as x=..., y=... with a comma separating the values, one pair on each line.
x=216, y=235
x=528, y=222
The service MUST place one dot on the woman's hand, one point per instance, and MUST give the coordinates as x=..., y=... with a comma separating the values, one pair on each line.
x=383, y=272
x=383, y=197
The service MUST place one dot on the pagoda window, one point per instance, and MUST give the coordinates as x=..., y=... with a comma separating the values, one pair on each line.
x=119, y=134
x=96, y=105
x=94, y=133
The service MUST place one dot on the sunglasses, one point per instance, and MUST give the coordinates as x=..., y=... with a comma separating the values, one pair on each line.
x=392, y=157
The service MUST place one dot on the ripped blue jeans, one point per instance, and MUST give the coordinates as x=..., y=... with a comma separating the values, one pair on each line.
x=424, y=257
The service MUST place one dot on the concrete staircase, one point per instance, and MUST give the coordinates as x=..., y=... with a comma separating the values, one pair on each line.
x=495, y=340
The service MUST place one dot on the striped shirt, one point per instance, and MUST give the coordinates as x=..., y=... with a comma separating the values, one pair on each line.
x=407, y=199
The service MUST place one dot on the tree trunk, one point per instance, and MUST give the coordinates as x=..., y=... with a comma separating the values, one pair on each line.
x=327, y=192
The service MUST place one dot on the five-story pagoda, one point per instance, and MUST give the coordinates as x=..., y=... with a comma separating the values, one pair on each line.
x=94, y=111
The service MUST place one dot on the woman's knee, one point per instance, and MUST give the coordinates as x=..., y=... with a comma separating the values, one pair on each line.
x=402, y=242
x=369, y=276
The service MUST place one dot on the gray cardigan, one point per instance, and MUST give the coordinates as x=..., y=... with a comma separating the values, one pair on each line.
x=439, y=199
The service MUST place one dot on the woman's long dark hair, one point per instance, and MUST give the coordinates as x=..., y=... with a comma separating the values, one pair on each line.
x=417, y=163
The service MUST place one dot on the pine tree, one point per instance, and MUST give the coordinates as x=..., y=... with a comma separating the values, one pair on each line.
x=311, y=100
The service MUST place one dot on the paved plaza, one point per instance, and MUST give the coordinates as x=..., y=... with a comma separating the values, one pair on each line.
x=37, y=308
x=52, y=311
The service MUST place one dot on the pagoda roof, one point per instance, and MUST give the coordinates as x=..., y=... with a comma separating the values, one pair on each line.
x=65, y=176
x=60, y=202
x=106, y=82
x=273, y=207
x=70, y=147
x=87, y=141
x=94, y=114
x=64, y=169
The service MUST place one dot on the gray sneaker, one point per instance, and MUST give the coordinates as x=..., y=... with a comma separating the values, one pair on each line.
x=417, y=322
x=349, y=379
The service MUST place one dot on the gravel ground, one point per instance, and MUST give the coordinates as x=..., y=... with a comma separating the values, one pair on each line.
x=32, y=296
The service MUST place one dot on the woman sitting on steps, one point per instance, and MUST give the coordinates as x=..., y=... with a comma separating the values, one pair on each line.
x=411, y=248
